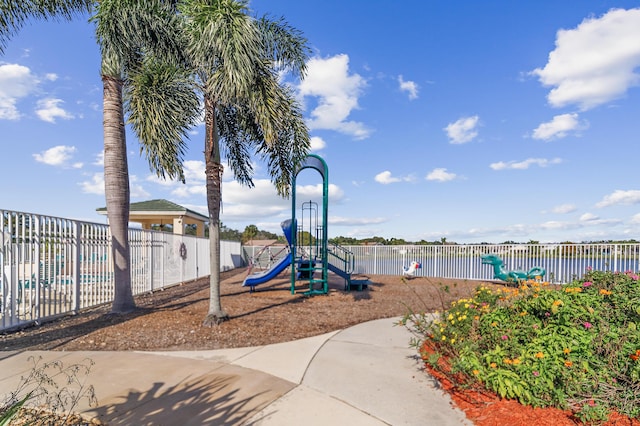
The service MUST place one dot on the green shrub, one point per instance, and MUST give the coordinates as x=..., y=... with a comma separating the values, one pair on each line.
x=573, y=347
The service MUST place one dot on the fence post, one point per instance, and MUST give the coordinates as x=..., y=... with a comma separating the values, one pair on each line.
x=35, y=261
x=149, y=238
x=75, y=273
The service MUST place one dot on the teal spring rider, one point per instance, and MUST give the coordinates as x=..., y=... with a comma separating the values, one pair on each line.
x=499, y=273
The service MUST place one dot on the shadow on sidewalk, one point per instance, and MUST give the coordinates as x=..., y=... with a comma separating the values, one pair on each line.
x=207, y=400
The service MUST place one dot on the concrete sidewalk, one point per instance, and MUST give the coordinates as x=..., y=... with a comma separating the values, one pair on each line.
x=363, y=375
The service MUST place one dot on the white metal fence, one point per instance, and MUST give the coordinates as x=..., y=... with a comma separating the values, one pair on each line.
x=563, y=262
x=53, y=266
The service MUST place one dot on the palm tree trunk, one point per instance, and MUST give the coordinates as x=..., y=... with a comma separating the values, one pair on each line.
x=116, y=182
x=213, y=171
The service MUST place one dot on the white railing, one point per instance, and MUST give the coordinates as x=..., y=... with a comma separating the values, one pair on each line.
x=563, y=262
x=53, y=266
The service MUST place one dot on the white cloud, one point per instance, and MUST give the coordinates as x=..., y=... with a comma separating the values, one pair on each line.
x=99, y=159
x=186, y=190
x=564, y=209
x=194, y=170
x=194, y=180
x=58, y=156
x=408, y=86
x=440, y=175
x=635, y=219
x=317, y=143
x=385, y=178
x=595, y=62
x=48, y=110
x=349, y=221
x=95, y=185
x=559, y=127
x=464, y=130
x=51, y=76
x=337, y=91
x=137, y=191
x=262, y=201
x=336, y=194
x=588, y=217
x=620, y=197
x=16, y=82
x=523, y=165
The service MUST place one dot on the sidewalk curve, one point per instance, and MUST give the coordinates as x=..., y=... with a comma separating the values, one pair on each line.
x=364, y=375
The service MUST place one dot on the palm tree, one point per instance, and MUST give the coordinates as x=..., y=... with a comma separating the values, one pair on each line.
x=235, y=59
x=141, y=62
x=15, y=13
x=143, y=72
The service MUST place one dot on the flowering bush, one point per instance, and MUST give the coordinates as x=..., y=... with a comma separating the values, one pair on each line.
x=574, y=347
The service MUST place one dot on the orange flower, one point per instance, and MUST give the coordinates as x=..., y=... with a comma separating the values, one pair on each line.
x=493, y=365
x=568, y=363
x=539, y=355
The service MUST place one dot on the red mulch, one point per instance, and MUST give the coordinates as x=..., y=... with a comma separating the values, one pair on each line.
x=484, y=408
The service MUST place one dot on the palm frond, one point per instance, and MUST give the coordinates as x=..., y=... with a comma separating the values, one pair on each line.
x=224, y=43
x=129, y=30
x=238, y=142
x=285, y=45
x=15, y=13
x=162, y=105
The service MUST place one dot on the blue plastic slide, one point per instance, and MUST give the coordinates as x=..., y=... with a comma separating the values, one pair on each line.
x=262, y=277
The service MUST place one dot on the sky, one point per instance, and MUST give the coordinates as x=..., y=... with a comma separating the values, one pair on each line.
x=473, y=121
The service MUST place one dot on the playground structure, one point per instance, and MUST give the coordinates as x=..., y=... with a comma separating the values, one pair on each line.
x=310, y=256
x=535, y=273
x=410, y=271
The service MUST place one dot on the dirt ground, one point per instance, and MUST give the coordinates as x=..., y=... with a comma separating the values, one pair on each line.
x=171, y=319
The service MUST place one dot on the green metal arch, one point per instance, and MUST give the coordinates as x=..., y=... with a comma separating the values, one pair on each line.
x=315, y=162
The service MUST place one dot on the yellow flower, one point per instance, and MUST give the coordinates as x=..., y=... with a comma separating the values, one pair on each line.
x=493, y=324
x=453, y=340
x=523, y=313
x=450, y=317
x=476, y=372
x=605, y=292
x=516, y=361
x=539, y=355
x=444, y=338
x=557, y=303
x=566, y=351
